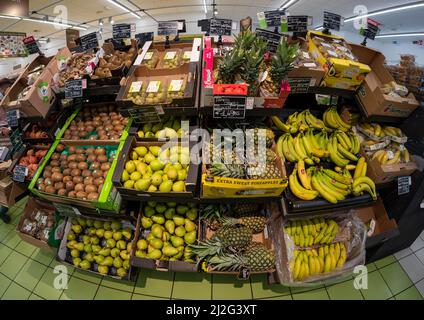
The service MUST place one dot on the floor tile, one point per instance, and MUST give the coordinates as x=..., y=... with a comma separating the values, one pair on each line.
x=4, y=253
x=403, y=253
x=42, y=256
x=318, y=294
x=371, y=267
x=154, y=283
x=285, y=297
x=396, y=278
x=344, y=291
x=420, y=255
x=30, y=274
x=118, y=284
x=25, y=248
x=111, y=294
x=34, y=297
x=141, y=297
x=228, y=287
x=4, y=230
x=13, y=264
x=413, y=267
x=295, y=290
x=409, y=294
x=420, y=287
x=87, y=276
x=16, y=292
x=377, y=288
x=385, y=261
x=79, y=290
x=261, y=288
x=192, y=286
x=11, y=240
x=45, y=288
x=417, y=245
x=4, y=283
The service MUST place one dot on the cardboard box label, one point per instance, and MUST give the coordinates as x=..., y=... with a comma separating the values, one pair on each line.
x=43, y=91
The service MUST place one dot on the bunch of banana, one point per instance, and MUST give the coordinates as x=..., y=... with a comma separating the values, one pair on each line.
x=331, y=186
x=302, y=191
x=343, y=147
x=394, y=154
x=307, y=232
x=308, y=263
x=369, y=142
x=361, y=182
x=373, y=129
x=300, y=122
x=332, y=119
x=392, y=131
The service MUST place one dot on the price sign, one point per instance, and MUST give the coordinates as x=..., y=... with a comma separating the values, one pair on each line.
x=20, y=173
x=299, y=85
x=31, y=45
x=121, y=31
x=403, y=185
x=273, y=39
x=229, y=107
x=12, y=117
x=270, y=18
x=168, y=28
x=244, y=274
x=220, y=27
x=89, y=41
x=295, y=23
x=332, y=21
x=372, y=29
x=144, y=37
x=150, y=114
x=73, y=88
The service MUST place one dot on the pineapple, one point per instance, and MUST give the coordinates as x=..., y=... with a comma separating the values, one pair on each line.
x=227, y=170
x=281, y=64
x=268, y=171
x=230, y=66
x=250, y=70
x=254, y=222
x=241, y=209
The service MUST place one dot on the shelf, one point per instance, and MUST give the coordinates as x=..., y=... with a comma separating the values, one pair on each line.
x=95, y=91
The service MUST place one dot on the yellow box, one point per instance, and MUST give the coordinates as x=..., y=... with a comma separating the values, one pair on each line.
x=340, y=73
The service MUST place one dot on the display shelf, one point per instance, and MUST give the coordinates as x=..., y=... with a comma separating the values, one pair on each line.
x=376, y=118
x=93, y=91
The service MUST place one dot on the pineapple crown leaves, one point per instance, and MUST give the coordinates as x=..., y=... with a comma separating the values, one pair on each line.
x=282, y=61
x=227, y=261
x=210, y=212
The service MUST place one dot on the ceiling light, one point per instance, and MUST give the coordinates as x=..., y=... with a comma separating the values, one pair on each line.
x=55, y=23
x=396, y=35
x=204, y=6
x=120, y=5
x=10, y=17
x=100, y=22
x=111, y=20
x=387, y=10
x=319, y=28
x=215, y=11
x=288, y=4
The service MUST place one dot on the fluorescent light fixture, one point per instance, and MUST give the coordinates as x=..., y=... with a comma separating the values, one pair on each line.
x=120, y=5
x=9, y=17
x=287, y=4
x=399, y=35
x=204, y=6
x=111, y=21
x=319, y=28
x=55, y=23
x=100, y=22
x=387, y=10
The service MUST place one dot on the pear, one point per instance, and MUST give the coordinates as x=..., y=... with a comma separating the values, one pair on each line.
x=88, y=248
x=115, y=252
x=172, y=174
x=85, y=265
x=155, y=150
x=76, y=228
x=107, y=225
x=160, y=208
x=141, y=151
x=117, y=262
x=147, y=127
x=169, y=213
x=158, y=218
x=172, y=204
x=117, y=235
x=100, y=233
x=178, y=220
x=189, y=225
x=149, y=211
x=165, y=186
x=149, y=158
x=169, y=251
x=146, y=223
x=156, y=165
x=126, y=264
x=108, y=234
x=82, y=222
x=96, y=248
x=133, y=155
x=129, y=184
x=155, y=254
x=167, y=167
x=178, y=186
x=178, y=166
x=150, y=236
x=177, y=241
x=91, y=231
x=170, y=226
x=99, y=259
x=124, y=255
x=71, y=236
x=149, y=135
x=157, y=232
x=86, y=239
x=152, y=188
x=110, y=243
x=89, y=257
x=126, y=232
x=182, y=175
x=108, y=261
x=129, y=247
x=150, y=248
x=142, y=244
x=105, y=252
x=135, y=176
x=103, y=269
x=156, y=243
x=75, y=253
x=71, y=244
x=90, y=223
x=79, y=246
x=142, y=184
x=121, y=272
x=165, y=178
x=178, y=255
x=166, y=236
x=140, y=254
x=192, y=214
x=76, y=262
x=130, y=166
x=115, y=225
x=152, y=204
x=142, y=168
x=121, y=244
x=180, y=231
x=182, y=209
x=190, y=237
x=94, y=240
x=173, y=158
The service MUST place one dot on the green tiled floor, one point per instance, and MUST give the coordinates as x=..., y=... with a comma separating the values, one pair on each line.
x=27, y=272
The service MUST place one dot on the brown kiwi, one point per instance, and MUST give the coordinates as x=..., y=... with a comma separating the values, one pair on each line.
x=59, y=185
x=81, y=158
x=100, y=151
x=81, y=195
x=50, y=189
x=72, y=194
x=79, y=187
x=73, y=165
x=67, y=172
x=77, y=179
x=75, y=172
x=90, y=188
x=93, y=196
x=102, y=158
x=60, y=147
x=69, y=185
x=86, y=173
x=55, y=170
x=82, y=165
x=57, y=176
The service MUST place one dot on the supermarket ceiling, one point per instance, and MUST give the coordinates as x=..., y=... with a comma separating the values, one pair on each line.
x=90, y=11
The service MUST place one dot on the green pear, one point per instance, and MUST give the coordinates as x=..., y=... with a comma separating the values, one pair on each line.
x=189, y=225
x=172, y=204
x=76, y=262
x=94, y=240
x=108, y=234
x=96, y=248
x=92, y=231
x=146, y=223
x=169, y=213
x=100, y=233
x=90, y=223
x=140, y=254
x=170, y=226
x=85, y=265
x=110, y=243
x=75, y=253
x=71, y=236
x=155, y=254
x=105, y=252
x=192, y=214
x=169, y=251
x=152, y=188
x=156, y=243
x=129, y=247
x=178, y=255
x=165, y=186
x=82, y=222
x=177, y=241
x=142, y=244
x=117, y=235
x=121, y=272
x=107, y=225
x=178, y=220
x=126, y=264
x=160, y=208
x=142, y=184
x=79, y=246
x=182, y=209
x=103, y=269
x=178, y=186
x=71, y=244
x=141, y=151
x=88, y=248
x=99, y=259
x=180, y=231
x=156, y=179
x=117, y=262
x=98, y=224
x=149, y=211
x=126, y=232
x=158, y=218
x=108, y=261
x=76, y=228
x=157, y=232
x=155, y=149
x=89, y=257
x=150, y=236
x=124, y=255
x=115, y=225
x=121, y=244
x=182, y=175
x=86, y=239
x=190, y=237
x=166, y=236
x=114, y=252
x=149, y=157
x=152, y=204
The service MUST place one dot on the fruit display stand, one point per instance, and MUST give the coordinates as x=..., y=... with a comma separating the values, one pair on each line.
x=108, y=198
x=92, y=248
x=189, y=185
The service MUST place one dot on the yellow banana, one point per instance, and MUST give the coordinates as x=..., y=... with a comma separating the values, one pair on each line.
x=280, y=124
x=322, y=191
x=345, y=153
x=303, y=177
x=359, y=168
x=321, y=253
x=338, y=177
x=406, y=156
x=337, y=251
x=321, y=264
x=333, y=261
x=364, y=170
x=306, y=144
x=340, y=187
x=299, y=191
x=335, y=158
x=377, y=154
x=290, y=144
x=395, y=159
x=328, y=187
x=301, y=274
x=327, y=263
x=280, y=151
x=298, y=149
x=377, y=129
x=312, y=265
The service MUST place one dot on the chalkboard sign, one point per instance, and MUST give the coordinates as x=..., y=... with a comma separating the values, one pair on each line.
x=273, y=39
x=299, y=85
x=403, y=185
x=270, y=18
x=121, y=31
x=332, y=21
x=12, y=117
x=73, y=89
x=31, y=45
x=296, y=24
x=144, y=37
x=220, y=27
x=372, y=29
x=20, y=173
x=168, y=28
x=229, y=107
x=89, y=41
x=148, y=114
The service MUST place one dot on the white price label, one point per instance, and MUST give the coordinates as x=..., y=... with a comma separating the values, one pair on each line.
x=148, y=55
x=170, y=55
x=153, y=87
x=390, y=155
x=136, y=86
x=175, y=85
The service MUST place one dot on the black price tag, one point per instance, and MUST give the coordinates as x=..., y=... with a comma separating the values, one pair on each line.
x=332, y=21
x=150, y=114
x=12, y=117
x=168, y=28
x=229, y=107
x=20, y=173
x=270, y=18
x=73, y=89
x=89, y=41
x=31, y=45
x=273, y=39
x=403, y=185
x=296, y=24
x=244, y=274
x=299, y=85
x=121, y=31
x=144, y=37
x=372, y=29
x=220, y=27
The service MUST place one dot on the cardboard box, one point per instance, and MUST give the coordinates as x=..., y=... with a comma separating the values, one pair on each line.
x=40, y=97
x=371, y=93
x=58, y=62
x=340, y=73
x=9, y=191
x=380, y=227
x=31, y=205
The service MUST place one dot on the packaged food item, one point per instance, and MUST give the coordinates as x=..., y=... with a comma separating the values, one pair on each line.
x=155, y=92
x=176, y=89
x=38, y=224
x=150, y=59
x=186, y=55
x=136, y=92
x=172, y=59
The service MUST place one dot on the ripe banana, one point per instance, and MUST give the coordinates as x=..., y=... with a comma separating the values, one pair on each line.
x=337, y=177
x=323, y=191
x=280, y=124
x=303, y=177
x=395, y=159
x=299, y=191
x=359, y=168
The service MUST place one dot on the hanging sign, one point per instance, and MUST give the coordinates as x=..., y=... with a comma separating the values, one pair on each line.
x=74, y=88
x=403, y=185
x=121, y=31
x=31, y=45
x=89, y=41
x=372, y=29
x=270, y=18
x=300, y=85
x=296, y=24
x=332, y=21
x=220, y=27
x=273, y=39
x=20, y=173
x=12, y=117
x=150, y=114
x=168, y=28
